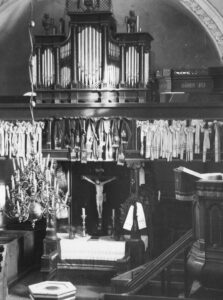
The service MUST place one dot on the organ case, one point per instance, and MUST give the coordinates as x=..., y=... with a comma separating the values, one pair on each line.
x=93, y=63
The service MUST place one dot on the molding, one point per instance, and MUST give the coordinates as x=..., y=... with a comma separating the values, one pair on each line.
x=210, y=19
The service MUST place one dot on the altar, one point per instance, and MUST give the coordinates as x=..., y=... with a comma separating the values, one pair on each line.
x=96, y=253
x=92, y=253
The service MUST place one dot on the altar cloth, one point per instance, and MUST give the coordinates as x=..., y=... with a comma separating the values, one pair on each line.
x=87, y=249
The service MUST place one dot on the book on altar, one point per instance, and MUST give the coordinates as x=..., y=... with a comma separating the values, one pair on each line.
x=191, y=172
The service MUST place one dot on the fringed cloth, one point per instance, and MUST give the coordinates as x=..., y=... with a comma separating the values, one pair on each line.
x=87, y=249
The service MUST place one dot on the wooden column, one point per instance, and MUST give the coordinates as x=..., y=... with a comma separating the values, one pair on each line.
x=134, y=176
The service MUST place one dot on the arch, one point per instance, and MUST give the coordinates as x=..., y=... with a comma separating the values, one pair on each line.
x=209, y=18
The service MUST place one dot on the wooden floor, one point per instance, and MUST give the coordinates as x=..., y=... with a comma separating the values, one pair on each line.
x=90, y=287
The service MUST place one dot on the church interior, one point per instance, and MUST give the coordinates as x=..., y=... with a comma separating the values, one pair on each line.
x=111, y=142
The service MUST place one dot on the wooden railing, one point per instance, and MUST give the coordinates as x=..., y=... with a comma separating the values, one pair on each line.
x=136, y=279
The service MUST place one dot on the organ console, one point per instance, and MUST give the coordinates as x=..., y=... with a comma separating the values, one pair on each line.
x=93, y=63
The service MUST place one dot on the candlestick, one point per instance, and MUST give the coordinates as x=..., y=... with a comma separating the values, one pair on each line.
x=83, y=222
x=113, y=222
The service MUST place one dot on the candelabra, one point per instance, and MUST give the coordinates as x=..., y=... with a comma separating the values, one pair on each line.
x=34, y=190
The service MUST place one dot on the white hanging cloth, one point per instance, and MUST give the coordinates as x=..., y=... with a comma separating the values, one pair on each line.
x=140, y=216
x=129, y=219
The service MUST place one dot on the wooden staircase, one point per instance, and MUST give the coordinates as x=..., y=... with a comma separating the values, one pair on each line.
x=170, y=282
x=165, y=275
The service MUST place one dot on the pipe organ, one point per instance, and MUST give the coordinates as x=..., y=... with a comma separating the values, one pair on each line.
x=94, y=63
x=89, y=58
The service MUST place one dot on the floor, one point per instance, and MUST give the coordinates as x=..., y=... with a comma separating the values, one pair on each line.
x=89, y=287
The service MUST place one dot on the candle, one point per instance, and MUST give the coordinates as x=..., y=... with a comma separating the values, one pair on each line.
x=47, y=191
x=22, y=164
x=13, y=182
x=57, y=189
x=83, y=211
x=22, y=196
x=13, y=164
x=51, y=165
x=7, y=192
x=2, y=196
x=66, y=197
x=47, y=161
x=18, y=175
x=18, y=207
x=53, y=201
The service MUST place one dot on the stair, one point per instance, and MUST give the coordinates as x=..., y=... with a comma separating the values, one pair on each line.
x=174, y=287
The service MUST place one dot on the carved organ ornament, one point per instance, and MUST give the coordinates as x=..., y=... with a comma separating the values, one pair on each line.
x=92, y=57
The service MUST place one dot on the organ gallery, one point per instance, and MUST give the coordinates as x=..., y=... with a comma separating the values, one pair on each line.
x=112, y=159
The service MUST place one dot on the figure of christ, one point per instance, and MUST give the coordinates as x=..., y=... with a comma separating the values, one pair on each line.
x=99, y=187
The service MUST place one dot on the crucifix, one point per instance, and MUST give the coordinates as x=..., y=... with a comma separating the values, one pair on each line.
x=99, y=187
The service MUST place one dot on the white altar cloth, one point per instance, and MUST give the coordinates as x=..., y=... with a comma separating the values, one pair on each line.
x=89, y=249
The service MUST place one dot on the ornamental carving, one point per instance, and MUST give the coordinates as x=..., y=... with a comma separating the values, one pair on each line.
x=209, y=18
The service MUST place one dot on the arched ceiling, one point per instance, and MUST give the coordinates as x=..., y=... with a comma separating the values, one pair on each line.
x=209, y=15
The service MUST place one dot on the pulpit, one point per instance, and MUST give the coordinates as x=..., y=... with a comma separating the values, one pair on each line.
x=205, y=260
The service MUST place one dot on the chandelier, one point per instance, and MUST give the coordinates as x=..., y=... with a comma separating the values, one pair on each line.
x=34, y=192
